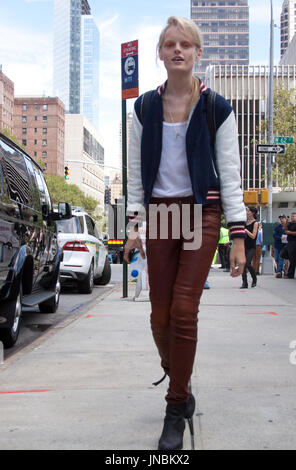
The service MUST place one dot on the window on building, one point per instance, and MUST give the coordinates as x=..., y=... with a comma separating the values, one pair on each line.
x=44, y=107
x=44, y=154
x=24, y=142
x=44, y=142
x=36, y=118
x=44, y=130
x=35, y=130
x=36, y=106
x=44, y=118
x=24, y=119
x=24, y=130
x=24, y=107
x=35, y=142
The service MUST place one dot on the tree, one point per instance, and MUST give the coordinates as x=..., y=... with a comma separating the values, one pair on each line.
x=60, y=191
x=284, y=125
x=12, y=137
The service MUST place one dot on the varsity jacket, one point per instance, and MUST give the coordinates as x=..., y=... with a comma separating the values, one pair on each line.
x=214, y=172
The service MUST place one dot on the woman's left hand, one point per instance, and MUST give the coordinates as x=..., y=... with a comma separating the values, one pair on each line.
x=237, y=257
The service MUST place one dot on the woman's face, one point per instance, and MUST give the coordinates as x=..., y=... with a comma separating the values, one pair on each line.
x=178, y=52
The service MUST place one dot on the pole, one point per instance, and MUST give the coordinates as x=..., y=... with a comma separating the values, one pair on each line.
x=267, y=267
x=124, y=192
x=270, y=117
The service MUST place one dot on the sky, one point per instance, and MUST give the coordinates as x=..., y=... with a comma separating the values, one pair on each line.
x=26, y=49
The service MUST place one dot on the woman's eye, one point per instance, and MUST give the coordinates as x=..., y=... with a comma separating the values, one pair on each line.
x=169, y=44
x=186, y=45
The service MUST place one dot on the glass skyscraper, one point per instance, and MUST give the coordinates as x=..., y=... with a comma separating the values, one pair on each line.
x=76, y=58
x=225, y=29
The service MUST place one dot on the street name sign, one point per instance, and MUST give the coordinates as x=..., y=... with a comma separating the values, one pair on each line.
x=274, y=149
x=283, y=140
x=129, y=70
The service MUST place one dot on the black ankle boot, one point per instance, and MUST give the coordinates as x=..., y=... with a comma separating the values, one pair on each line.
x=173, y=429
x=190, y=407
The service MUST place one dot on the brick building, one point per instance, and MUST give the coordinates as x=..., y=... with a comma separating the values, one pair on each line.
x=39, y=124
x=6, y=102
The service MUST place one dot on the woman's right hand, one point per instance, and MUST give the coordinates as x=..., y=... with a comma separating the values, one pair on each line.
x=134, y=242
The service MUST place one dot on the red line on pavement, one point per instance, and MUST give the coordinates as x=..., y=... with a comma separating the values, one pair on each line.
x=263, y=313
x=9, y=392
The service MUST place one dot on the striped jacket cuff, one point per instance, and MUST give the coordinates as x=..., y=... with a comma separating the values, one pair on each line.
x=237, y=230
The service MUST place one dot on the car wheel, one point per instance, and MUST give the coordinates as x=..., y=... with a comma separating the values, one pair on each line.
x=8, y=336
x=51, y=305
x=86, y=286
x=106, y=274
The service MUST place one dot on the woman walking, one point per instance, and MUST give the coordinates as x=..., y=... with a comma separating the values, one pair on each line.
x=172, y=165
x=250, y=246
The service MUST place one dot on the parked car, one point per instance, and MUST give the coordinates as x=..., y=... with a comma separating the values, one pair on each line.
x=85, y=257
x=29, y=253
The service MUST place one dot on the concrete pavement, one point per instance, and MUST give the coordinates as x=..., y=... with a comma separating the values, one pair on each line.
x=86, y=384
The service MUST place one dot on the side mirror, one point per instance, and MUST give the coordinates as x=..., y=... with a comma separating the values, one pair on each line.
x=64, y=212
x=64, y=209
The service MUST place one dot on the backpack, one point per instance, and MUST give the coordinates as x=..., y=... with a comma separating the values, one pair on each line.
x=211, y=99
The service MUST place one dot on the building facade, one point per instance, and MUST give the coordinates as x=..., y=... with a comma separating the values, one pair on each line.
x=225, y=29
x=246, y=89
x=288, y=24
x=76, y=58
x=89, y=81
x=39, y=125
x=84, y=154
x=289, y=57
x=6, y=102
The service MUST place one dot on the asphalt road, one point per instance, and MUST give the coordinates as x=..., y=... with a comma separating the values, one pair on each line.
x=34, y=323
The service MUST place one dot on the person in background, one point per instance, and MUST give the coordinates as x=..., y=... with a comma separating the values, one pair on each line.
x=223, y=249
x=278, y=232
x=250, y=246
x=258, y=250
x=290, y=230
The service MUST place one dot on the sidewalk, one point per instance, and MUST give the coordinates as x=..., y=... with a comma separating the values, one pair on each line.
x=87, y=383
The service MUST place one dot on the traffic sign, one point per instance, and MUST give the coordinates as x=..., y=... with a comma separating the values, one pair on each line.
x=283, y=140
x=275, y=149
x=129, y=70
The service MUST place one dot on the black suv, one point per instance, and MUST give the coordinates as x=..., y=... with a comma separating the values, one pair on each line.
x=29, y=253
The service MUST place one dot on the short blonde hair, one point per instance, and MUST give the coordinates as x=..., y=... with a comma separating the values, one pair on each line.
x=187, y=26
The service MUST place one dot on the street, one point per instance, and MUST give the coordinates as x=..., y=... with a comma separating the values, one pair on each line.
x=88, y=383
x=34, y=323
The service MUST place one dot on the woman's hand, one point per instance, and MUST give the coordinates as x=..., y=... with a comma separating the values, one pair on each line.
x=237, y=257
x=134, y=242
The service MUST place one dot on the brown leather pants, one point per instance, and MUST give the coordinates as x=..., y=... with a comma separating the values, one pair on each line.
x=176, y=278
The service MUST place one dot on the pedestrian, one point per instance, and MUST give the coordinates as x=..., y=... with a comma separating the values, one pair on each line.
x=278, y=233
x=290, y=230
x=258, y=250
x=223, y=249
x=250, y=246
x=172, y=165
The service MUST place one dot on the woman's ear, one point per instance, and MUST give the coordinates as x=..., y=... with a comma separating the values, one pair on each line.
x=198, y=54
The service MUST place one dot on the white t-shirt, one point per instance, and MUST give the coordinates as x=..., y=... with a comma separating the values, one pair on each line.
x=173, y=179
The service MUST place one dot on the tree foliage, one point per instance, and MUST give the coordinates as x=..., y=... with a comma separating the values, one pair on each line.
x=284, y=125
x=60, y=191
x=12, y=137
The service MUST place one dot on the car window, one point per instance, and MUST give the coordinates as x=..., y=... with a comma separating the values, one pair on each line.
x=1, y=179
x=15, y=173
x=90, y=225
x=43, y=191
x=81, y=220
x=34, y=192
x=72, y=225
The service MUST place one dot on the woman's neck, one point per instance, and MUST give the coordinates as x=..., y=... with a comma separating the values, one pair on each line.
x=179, y=86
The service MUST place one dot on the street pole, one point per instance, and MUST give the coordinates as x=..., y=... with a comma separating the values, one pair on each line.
x=270, y=117
x=124, y=192
x=267, y=267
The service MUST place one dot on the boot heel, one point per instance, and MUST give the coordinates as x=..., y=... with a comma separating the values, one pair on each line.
x=191, y=428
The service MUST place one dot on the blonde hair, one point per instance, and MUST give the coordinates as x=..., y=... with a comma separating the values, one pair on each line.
x=187, y=26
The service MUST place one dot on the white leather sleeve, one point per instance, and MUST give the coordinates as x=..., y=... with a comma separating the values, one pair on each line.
x=228, y=165
x=135, y=200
